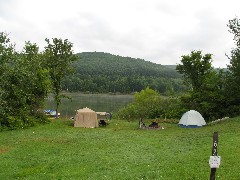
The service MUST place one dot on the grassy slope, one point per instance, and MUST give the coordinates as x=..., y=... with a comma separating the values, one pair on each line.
x=120, y=151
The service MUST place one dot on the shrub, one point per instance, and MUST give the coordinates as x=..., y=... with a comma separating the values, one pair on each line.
x=150, y=104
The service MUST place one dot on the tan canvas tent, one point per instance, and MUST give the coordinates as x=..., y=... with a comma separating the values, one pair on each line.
x=86, y=118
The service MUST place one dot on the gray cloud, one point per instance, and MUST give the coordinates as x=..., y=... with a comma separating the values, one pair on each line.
x=157, y=31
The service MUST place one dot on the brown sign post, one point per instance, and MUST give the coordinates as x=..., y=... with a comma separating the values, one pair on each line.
x=214, y=153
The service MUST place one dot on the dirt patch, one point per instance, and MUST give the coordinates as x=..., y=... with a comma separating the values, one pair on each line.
x=4, y=150
x=151, y=128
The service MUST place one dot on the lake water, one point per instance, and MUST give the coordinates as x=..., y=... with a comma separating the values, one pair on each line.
x=96, y=102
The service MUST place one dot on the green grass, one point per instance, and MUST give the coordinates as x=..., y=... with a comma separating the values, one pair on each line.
x=119, y=151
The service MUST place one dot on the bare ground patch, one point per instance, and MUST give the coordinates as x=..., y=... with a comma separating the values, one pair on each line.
x=4, y=150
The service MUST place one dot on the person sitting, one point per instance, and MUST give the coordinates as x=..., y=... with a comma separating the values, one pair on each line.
x=141, y=123
x=102, y=123
x=153, y=125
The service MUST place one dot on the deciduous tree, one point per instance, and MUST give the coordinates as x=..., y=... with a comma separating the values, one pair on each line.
x=195, y=68
x=233, y=82
x=36, y=79
x=58, y=56
x=207, y=93
x=23, y=85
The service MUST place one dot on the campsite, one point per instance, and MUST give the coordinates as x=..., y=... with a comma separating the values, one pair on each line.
x=98, y=116
x=119, y=151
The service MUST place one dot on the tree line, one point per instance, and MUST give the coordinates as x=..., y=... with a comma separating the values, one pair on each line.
x=99, y=72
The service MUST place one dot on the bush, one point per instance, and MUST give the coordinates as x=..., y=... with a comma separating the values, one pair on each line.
x=150, y=104
x=17, y=122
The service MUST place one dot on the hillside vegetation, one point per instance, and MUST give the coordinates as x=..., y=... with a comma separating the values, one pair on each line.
x=119, y=151
x=104, y=72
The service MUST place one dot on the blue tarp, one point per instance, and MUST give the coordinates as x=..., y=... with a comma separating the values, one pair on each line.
x=50, y=111
x=189, y=126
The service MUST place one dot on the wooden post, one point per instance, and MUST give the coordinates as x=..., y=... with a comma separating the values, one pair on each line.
x=214, y=153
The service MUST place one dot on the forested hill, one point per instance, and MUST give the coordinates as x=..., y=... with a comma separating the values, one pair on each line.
x=104, y=72
x=108, y=64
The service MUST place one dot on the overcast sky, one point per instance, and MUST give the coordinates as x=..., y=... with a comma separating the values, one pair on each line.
x=160, y=31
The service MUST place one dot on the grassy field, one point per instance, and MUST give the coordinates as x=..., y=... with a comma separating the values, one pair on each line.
x=119, y=151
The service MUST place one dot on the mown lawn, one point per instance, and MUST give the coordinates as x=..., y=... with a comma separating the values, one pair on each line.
x=119, y=151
